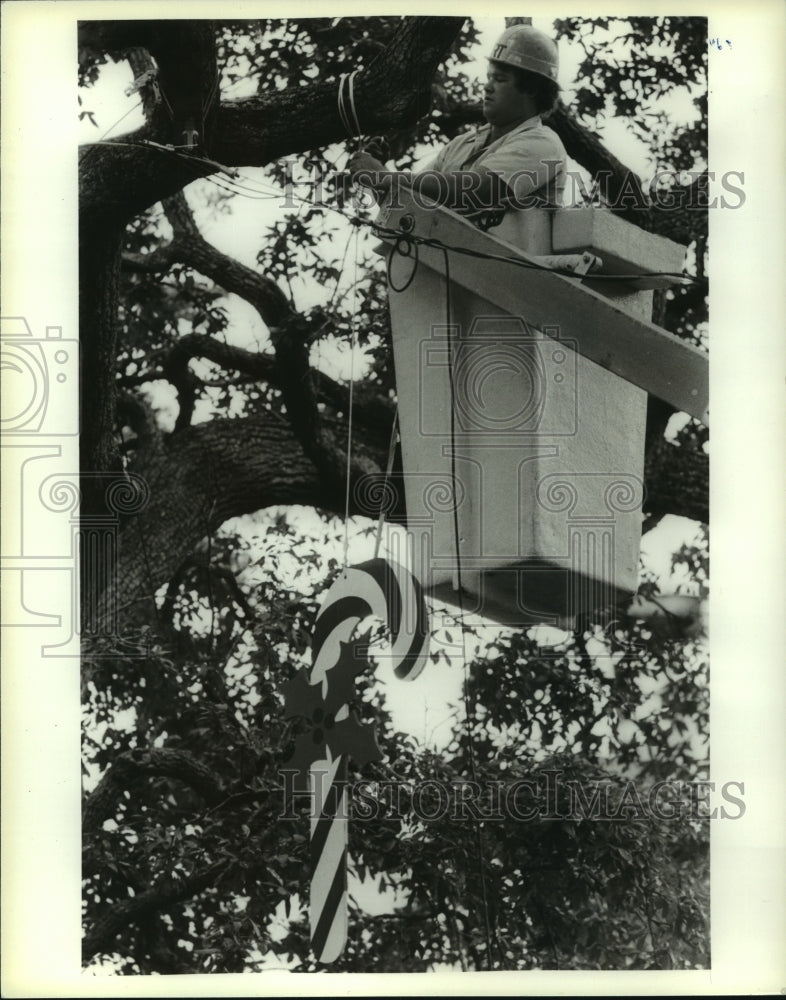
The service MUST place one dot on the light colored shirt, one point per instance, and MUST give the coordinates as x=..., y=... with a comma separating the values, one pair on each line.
x=529, y=159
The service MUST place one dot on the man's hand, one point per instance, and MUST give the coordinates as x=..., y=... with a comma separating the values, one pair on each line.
x=367, y=165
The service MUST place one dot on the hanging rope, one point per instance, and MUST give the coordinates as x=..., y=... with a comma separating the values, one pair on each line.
x=388, y=470
x=468, y=706
x=352, y=340
x=404, y=247
x=206, y=106
x=100, y=142
x=348, y=114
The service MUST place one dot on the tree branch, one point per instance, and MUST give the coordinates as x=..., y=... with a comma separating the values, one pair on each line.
x=130, y=767
x=139, y=417
x=222, y=469
x=161, y=896
x=121, y=181
x=191, y=248
x=211, y=472
x=158, y=261
x=290, y=334
x=393, y=91
x=372, y=410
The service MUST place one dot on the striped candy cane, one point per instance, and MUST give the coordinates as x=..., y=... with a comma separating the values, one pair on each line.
x=377, y=587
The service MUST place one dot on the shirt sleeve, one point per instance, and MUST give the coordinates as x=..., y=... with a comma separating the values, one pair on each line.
x=438, y=162
x=526, y=163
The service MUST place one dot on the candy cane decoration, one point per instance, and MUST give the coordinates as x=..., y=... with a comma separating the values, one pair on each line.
x=377, y=587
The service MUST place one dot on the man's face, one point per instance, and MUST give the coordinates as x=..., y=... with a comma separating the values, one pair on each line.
x=503, y=103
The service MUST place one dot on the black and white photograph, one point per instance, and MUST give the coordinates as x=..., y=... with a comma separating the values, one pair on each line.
x=358, y=371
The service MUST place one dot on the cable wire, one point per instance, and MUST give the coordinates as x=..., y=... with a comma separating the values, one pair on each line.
x=351, y=402
x=386, y=480
x=468, y=706
x=385, y=232
x=125, y=115
x=252, y=189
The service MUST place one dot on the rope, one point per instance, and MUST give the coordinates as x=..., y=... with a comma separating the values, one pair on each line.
x=254, y=191
x=349, y=118
x=404, y=247
x=206, y=104
x=165, y=99
x=351, y=401
x=468, y=707
x=97, y=142
x=388, y=469
x=385, y=232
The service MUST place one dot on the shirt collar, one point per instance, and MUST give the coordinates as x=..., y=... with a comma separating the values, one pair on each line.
x=529, y=123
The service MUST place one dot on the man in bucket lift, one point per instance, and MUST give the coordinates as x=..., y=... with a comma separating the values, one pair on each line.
x=512, y=161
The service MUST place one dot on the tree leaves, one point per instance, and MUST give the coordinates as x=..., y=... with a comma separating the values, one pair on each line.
x=205, y=678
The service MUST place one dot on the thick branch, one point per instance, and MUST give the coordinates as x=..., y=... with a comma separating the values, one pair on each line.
x=586, y=148
x=259, y=367
x=99, y=268
x=190, y=248
x=205, y=475
x=393, y=91
x=213, y=471
x=290, y=333
x=119, y=181
x=161, y=896
x=373, y=411
x=130, y=767
x=140, y=418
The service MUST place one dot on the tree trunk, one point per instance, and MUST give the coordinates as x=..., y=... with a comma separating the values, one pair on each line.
x=197, y=479
x=99, y=271
x=200, y=476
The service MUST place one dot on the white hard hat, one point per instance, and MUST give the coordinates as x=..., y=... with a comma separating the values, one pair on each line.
x=527, y=48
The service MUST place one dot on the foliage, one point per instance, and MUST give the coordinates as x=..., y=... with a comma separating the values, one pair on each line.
x=568, y=890
x=630, y=64
x=184, y=735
